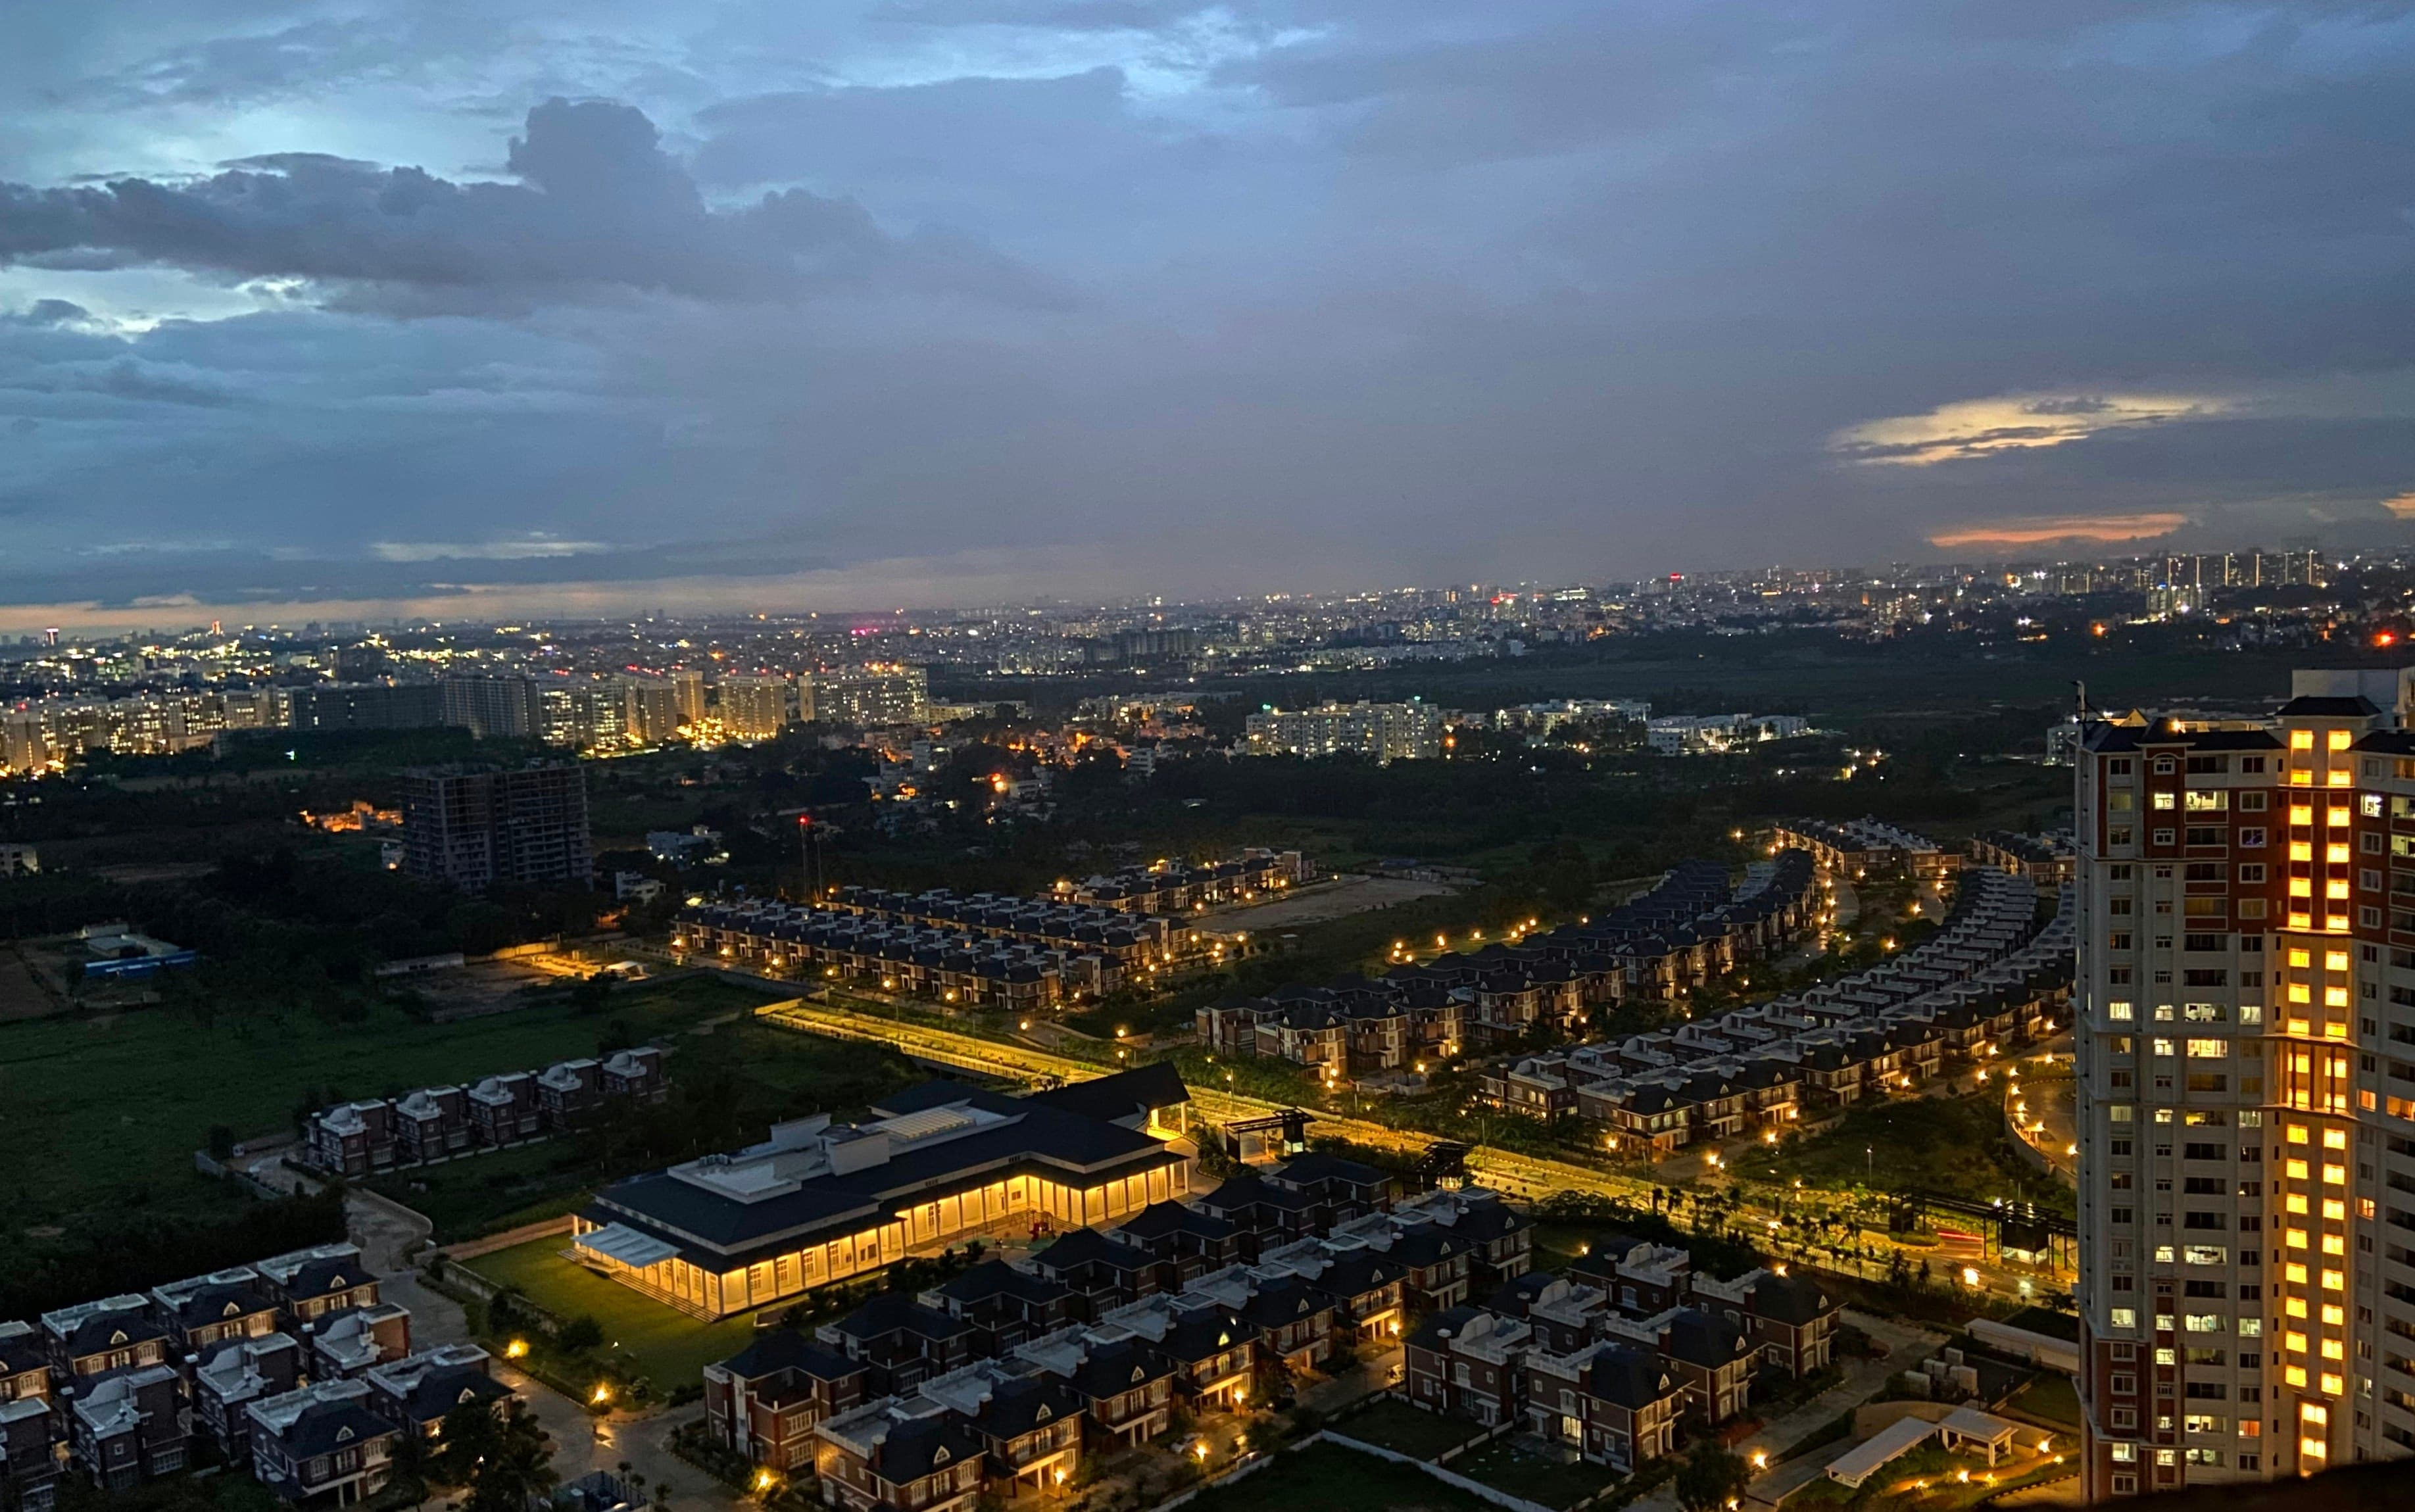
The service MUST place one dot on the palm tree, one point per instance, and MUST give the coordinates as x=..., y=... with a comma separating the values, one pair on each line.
x=518, y=1468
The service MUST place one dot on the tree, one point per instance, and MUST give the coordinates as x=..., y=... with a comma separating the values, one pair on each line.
x=517, y=1468
x=1710, y=1478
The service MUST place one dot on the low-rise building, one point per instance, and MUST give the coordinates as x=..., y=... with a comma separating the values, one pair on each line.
x=321, y=1443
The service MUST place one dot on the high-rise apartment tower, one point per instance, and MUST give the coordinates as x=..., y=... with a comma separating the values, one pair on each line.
x=2246, y=1073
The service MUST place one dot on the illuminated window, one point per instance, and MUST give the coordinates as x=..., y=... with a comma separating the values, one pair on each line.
x=2300, y=957
x=2335, y=1350
x=2335, y=997
x=2334, y=1244
x=2209, y=1049
x=2339, y=739
x=2202, y=1322
x=2297, y=1273
x=2336, y=960
x=2335, y=1176
x=2334, y=1210
x=2298, y=1238
x=2128, y=1317
x=2300, y=1170
x=2335, y=1280
x=2295, y=1202
x=2294, y=1342
x=2334, y=1315
x=2335, y=1139
x=2295, y=1307
x=2295, y=1375
x=2302, y=739
x=2315, y=1413
x=2119, y=1012
x=2301, y=992
x=2335, y=1385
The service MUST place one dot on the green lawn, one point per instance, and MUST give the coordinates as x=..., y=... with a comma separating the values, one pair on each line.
x=1393, y=1424
x=103, y=1113
x=1505, y=1468
x=669, y=1346
x=487, y=1193
x=1330, y=1478
x=2049, y=1399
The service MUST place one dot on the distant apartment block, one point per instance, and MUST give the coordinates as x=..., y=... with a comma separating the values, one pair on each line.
x=582, y=714
x=476, y=827
x=338, y=706
x=873, y=696
x=491, y=707
x=651, y=709
x=753, y=707
x=1717, y=734
x=1385, y=731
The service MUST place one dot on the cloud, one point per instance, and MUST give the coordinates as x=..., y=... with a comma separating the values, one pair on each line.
x=2402, y=505
x=600, y=212
x=1971, y=429
x=530, y=549
x=2054, y=529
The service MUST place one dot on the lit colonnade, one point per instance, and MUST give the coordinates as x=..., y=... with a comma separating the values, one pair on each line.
x=819, y=1202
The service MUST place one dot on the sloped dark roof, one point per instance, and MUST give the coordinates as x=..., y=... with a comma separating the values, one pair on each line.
x=1630, y=1378
x=785, y=1349
x=1142, y=1089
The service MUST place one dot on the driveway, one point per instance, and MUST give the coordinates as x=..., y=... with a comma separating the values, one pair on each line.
x=387, y=1233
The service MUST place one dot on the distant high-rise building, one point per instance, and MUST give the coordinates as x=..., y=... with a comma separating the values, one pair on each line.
x=478, y=827
x=753, y=708
x=868, y=696
x=492, y=708
x=652, y=707
x=687, y=687
x=365, y=706
x=583, y=715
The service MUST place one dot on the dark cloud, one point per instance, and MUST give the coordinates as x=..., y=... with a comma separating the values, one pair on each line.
x=602, y=210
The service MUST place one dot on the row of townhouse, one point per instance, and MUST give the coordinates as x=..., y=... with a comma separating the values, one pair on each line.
x=1204, y=1307
x=115, y=1388
x=1990, y=977
x=1869, y=847
x=1129, y=938
x=917, y=959
x=1171, y=888
x=2049, y=860
x=1610, y=1357
x=1689, y=928
x=437, y=1123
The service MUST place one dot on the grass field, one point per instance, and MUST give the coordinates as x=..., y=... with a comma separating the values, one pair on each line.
x=1506, y=1468
x=1947, y=1145
x=104, y=1112
x=1393, y=1424
x=1332, y=1478
x=668, y=1345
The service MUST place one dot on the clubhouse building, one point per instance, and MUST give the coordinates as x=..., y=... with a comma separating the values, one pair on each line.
x=934, y=1165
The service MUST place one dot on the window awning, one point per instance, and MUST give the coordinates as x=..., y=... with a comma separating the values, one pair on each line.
x=622, y=1243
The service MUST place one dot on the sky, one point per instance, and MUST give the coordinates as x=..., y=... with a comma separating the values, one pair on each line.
x=525, y=307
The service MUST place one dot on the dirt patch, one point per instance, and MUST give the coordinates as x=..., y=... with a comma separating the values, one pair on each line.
x=20, y=995
x=477, y=989
x=156, y=871
x=1337, y=900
